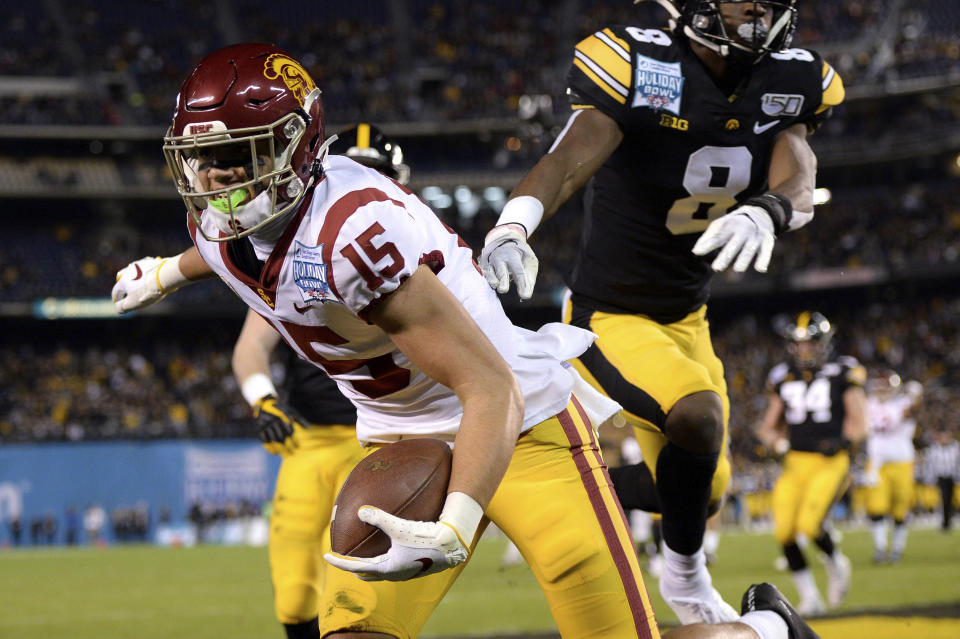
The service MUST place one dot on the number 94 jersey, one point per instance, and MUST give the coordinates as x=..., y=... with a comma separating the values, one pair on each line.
x=689, y=154
x=813, y=402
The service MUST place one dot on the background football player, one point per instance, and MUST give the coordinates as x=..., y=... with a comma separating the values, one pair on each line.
x=399, y=329
x=695, y=140
x=821, y=402
x=891, y=407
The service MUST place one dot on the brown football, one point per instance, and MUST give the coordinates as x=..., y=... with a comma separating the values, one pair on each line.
x=407, y=478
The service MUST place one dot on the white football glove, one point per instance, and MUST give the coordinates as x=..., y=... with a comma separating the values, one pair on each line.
x=745, y=232
x=145, y=282
x=507, y=255
x=417, y=548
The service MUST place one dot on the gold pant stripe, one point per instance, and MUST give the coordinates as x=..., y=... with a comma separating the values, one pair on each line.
x=580, y=433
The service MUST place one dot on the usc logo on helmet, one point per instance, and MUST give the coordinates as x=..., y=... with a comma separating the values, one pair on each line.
x=282, y=66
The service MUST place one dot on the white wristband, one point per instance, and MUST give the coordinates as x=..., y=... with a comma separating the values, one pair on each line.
x=525, y=210
x=463, y=513
x=169, y=275
x=256, y=387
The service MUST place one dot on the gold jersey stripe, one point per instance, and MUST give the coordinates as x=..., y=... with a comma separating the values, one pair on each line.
x=833, y=90
x=599, y=82
x=607, y=58
x=578, y=107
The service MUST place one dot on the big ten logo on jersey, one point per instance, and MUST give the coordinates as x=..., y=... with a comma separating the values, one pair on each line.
x=673, y=122
x=774, y=104
x=310, y=273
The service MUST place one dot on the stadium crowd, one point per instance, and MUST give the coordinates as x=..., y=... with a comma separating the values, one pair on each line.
x=121, y=63
x=910, y=226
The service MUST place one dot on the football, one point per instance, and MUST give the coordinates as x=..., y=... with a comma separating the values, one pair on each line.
x=407, y=478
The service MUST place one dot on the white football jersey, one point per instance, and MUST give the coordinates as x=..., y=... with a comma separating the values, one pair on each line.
x=891, y=429
x=351, y=245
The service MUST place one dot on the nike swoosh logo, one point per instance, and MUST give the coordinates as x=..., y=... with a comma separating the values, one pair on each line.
x=139, y=272
x=301, y=309
x=758, y=129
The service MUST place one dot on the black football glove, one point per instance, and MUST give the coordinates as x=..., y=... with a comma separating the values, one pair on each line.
x=278, y=424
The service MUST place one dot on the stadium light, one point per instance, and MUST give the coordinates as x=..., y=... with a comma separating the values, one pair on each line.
x=821, y=195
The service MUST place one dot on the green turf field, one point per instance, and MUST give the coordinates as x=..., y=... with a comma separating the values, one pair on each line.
x=147, y=592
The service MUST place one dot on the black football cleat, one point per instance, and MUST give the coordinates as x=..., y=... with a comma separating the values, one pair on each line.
x=765, y=596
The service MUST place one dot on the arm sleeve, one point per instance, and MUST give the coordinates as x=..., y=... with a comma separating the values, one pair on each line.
x=855, y=374
x=600, y=76
x=830, y=93
x=776, y=376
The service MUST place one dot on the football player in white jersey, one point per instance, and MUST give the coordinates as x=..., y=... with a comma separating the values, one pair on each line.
x=890, y=457
x=361, y=278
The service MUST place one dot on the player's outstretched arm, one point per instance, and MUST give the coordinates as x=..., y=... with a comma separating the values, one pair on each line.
x=746, y=234
x=583, y=146
x=149, y=279
x=793, y=172
x=277, y=423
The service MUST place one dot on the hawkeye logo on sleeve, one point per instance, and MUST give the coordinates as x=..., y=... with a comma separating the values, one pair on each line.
x=659, y=85
x=310, y=273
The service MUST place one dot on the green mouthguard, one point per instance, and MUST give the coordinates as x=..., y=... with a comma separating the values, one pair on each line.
x=226, y=202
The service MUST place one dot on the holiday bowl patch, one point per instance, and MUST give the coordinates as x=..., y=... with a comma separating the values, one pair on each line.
x=658, y=85
x=310, y=273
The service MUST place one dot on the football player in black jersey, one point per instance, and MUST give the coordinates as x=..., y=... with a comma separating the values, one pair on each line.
x=693, y=139
x=822, y=403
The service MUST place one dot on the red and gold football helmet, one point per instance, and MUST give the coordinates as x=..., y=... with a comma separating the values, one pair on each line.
x=247, y=138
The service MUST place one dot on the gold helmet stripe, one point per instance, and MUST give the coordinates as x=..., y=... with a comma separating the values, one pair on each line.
x=363, y=136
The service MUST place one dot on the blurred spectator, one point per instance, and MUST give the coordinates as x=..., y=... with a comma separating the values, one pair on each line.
x=72, y=525
x=94, y=519
x=49, y=528
x=16, y=529
x=36, y=530
x=942, y=461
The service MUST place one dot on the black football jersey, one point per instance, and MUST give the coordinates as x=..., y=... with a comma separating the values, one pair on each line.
x=314, y=394
x=689, y=154
x=813, y=402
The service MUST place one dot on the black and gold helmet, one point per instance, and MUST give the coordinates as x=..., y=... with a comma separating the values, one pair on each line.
x=702, y=22
x=809, y=335
x=368, y=145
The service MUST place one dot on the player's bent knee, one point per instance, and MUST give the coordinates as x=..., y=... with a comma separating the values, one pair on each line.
x=695, y=423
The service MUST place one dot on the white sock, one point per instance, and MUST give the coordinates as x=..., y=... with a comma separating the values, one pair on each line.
x=686, y=573
x=684, y=566
x=899, y=538
x=879, y=531
x=767, y=624
x=806, y=586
